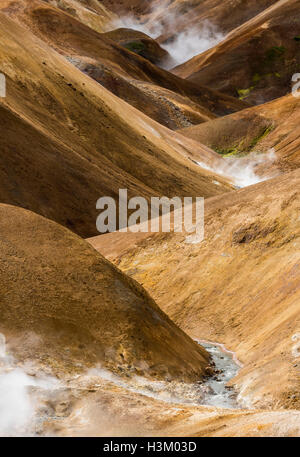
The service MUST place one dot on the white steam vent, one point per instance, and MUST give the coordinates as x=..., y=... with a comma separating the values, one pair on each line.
x=186, y=44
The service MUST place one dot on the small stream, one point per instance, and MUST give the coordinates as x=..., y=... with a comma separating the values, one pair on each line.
x=226, y=366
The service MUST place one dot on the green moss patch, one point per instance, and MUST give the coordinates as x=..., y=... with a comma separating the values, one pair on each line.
x=274, y=53
x=243, y=93
x=262, y=135
x=242, y=149
x=135, y=46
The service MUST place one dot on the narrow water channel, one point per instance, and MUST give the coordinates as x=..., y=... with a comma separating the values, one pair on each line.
x=217, y=393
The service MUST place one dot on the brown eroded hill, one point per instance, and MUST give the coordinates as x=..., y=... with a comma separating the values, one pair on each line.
x=117, y=364
x=274, y=125
x=256, y=61
x=68, y=141
x=240, y=286
x=164, y=97
x=90, y=12
x=65, y=308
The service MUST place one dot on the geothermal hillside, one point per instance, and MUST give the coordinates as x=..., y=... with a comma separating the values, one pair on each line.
x=149, y=333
